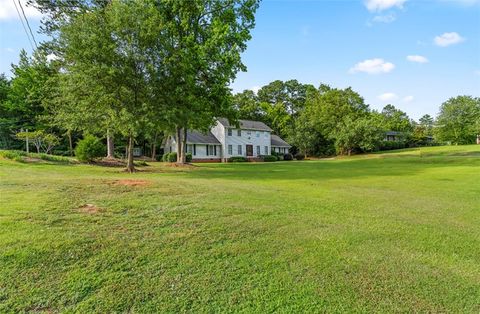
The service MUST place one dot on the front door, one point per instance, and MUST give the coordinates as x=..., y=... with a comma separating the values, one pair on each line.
x=249, y=150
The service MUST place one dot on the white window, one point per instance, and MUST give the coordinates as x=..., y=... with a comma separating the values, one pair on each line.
x=189, y=148
x=265, y=134
x=211, y=150
x=258, y=133
x=258, y=149
x=266, y=150
x=239, y=149
x=230, y=150
x=229, y=132
x=239, y=132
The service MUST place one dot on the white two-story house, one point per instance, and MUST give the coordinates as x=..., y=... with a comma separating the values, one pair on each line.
x=252, y=139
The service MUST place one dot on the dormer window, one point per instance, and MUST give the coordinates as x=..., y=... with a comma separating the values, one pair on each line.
x=229, y=132
x=258, y=133
x=239, y=132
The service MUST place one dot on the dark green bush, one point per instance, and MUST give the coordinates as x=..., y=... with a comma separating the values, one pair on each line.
x=389, y=145
x=19, y=155
x=288, y=157
x=89, y=149
x=172, y=157
x=188, y=157
x=52, y=158
x=237, y=159
x=269, y=158
x=165, y=157
x=299, y=156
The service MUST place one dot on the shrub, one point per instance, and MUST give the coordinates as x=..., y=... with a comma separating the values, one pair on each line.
x=52, y=158
x=141, y=163
x=89, y=148
x=269, y=158
x=165, y=157
x=237, y=159
x=299, y=156
x=172, y=157
x=288, y=157
x=389, y=145
x=13, y=154
x=188, y=157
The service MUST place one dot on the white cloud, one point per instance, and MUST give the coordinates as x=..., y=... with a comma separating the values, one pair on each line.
x=408, y=98
x=388, y=97
x=380, y=5
x=373, y=66
x=388, y=18
x=447, y=39
x=418, y=59
x=8, y=11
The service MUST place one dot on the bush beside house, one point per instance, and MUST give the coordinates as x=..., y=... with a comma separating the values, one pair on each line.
x=89, y=149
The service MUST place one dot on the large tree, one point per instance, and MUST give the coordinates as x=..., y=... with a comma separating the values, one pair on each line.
x=459, y=120
x=203, y=46
x=396, y=120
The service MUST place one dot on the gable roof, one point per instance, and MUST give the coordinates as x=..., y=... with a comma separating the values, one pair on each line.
x=393, y=133
x=246, y=124
x=198, y=137
x=278, y=141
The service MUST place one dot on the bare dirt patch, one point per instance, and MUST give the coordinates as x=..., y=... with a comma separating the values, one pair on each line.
x=89, y=209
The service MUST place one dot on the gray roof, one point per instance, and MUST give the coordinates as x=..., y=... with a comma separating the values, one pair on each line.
x=277, y=141
x=198, y=137
x=393, y=133
x=246, y=124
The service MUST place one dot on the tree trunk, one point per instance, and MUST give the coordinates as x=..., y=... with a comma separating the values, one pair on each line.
x=130, y=165
x=184, y=146
x=110, y=147
x=154, y=146
x=179, y=145
x=70, y=142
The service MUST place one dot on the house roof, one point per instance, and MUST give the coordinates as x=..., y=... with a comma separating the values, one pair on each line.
x=246, y=124
x=277, y=141
x=393, y=133
x=198, y=137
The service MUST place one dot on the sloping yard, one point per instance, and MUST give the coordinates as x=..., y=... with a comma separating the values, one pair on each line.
x=392, y=232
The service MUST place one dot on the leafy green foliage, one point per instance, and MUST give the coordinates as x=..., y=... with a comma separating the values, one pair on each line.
x=169, y=157
x=19, y=156
x=288, y=157
x=269, y=158
x=237, y=159
x=299, y=156
x=89, y=148
x=459, y=120
x=188, y=157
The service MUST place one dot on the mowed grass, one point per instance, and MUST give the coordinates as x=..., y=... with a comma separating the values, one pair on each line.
x=390, y=232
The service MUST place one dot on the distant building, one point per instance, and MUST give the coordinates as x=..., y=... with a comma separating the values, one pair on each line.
x=393, y=136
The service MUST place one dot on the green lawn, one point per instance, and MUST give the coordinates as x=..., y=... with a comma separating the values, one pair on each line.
x=392, y=232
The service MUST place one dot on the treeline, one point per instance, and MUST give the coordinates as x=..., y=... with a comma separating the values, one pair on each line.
x=325, y=121
x=128, y=69
x=132, y=72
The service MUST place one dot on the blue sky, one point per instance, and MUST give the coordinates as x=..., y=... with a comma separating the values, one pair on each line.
x=414, y=54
